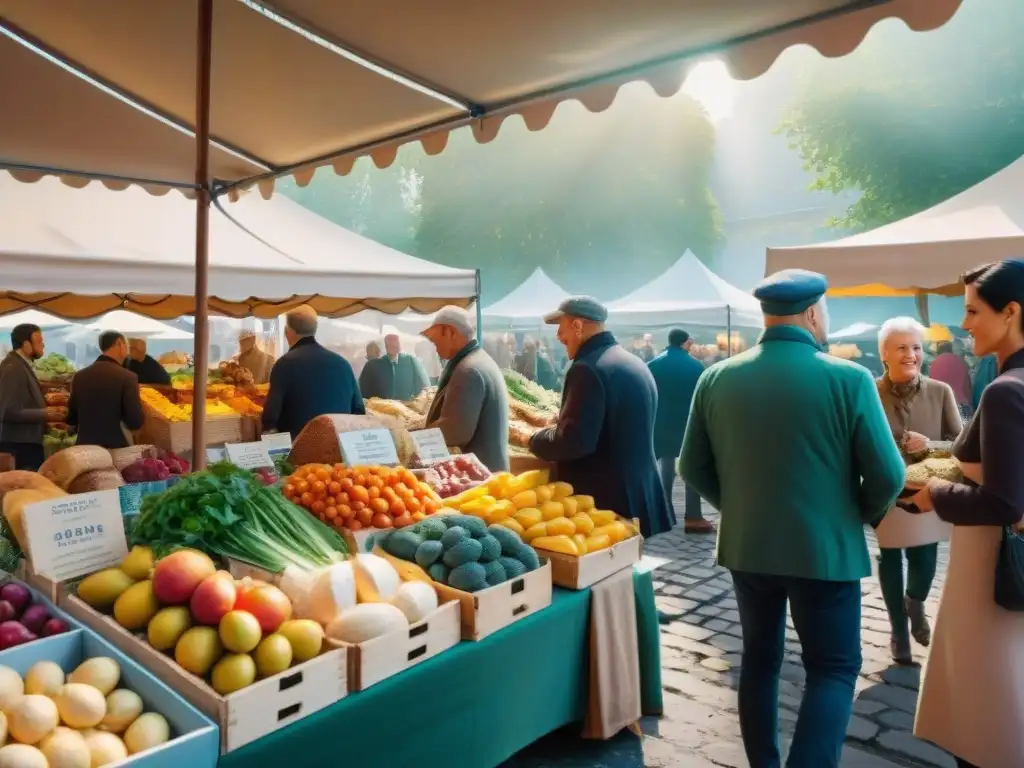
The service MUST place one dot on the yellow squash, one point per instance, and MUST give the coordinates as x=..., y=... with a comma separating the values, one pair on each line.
x=549, y=510
x=561, y=526
x=513, y=525
x=528, y=517
x=535, y=531
x=583, y=524
x=597, y=541
x=602, y=516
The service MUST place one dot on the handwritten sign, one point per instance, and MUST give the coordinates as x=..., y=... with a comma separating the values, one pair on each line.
x=278, y=442
x=249, y=455
x=213, y=455
x=368, y=446
x=75, y=535
x=430, y=444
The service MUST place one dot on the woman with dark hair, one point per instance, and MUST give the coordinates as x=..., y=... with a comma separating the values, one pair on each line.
x=972, y=695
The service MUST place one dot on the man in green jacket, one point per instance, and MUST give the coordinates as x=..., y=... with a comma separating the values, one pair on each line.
x=792, y=446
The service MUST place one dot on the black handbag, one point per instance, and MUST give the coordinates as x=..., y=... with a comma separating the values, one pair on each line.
x=1009, y=591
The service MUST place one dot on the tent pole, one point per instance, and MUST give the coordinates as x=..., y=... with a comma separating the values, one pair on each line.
x=479, y=312
x=728, y=331
x=204, y=53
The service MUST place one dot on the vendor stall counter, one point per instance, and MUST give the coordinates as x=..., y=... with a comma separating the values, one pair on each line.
x=473, y=706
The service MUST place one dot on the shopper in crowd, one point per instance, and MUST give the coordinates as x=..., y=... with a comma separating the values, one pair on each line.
x=984, y=374
x=251, y=357
x=471, y=404
x=675, y=374
x=972, y=695
x=919, y=409
x=105, y=404
x=792, y=446
x=603, y=441
x=950, y=368
x=375, y=378
x=145, y=367
x=405, y=373
x=309, y=380
x=536, y=366
x=23, y=410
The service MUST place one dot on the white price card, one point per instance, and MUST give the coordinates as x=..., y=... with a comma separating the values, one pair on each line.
x=368, y=446
x=213, y=455
x=249, y=455
x=75, y=535
x=430, y=444
x=278, y=442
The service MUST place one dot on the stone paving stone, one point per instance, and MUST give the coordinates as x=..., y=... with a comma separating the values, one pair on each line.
x=905, y=744
x=896, y=720
x=895, y=697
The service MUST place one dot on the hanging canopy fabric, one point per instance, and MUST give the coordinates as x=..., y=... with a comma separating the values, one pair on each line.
x=527, y=304
x=929, y=251
x=688, y=293
x=80, y=253
x=298, y=84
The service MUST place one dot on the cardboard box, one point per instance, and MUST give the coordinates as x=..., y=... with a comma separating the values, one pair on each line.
x=194, y=740
x=387, y=655
x=245, y=715
x=494, y=608
x=580, y=572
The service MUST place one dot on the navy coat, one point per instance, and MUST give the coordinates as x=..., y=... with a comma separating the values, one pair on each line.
x=603, y=443
x=309, y=381
x=676, y=374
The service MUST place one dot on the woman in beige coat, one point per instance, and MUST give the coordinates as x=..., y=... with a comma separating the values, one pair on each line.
x=972, y=695
x=919, y=410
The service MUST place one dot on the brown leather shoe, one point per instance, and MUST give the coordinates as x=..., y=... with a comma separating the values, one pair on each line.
x=699, y=525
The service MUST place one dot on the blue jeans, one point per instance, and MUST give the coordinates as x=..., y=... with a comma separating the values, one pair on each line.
x=826, y=615
x=667, y=467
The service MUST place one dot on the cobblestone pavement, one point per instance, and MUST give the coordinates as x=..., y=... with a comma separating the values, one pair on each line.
x=701, y=658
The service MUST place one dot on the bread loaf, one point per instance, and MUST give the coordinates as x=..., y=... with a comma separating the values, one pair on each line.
x=65, y=466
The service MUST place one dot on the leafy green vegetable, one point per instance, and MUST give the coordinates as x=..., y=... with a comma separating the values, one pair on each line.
x=282, y=466
x=225, y=512
x=52, y=366
x=530, y=392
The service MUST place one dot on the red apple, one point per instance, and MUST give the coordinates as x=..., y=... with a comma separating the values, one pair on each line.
x=177, y=576
x=267, y=603
x=213, y=598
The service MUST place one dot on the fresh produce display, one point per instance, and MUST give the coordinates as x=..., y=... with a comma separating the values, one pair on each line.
x=361, y=497
x=266, y=475
x=396, y=409
x=244, y=406
x=317, y=443
x=53, y=366
x=16, y=499
x=62, y=469
x=547, y=515
x=213, y=408
x=233, y=373
x=155, y=465
x=229, y=632
x=282, y=466
x=543, y=405
x=461, y=551
x=454, y=475
x=161, y=406
x=80, y=720
x=226, y=513
x=56, y=439
x=22, y=620
x=944, y=469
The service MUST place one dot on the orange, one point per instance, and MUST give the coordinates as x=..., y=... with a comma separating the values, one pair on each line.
x=403, y=520
x=379, y=506
x=398, y=507
x=318, y=486
x=330, y=512
x=359, y=493
x=418, y=517
x=346, y=512
x=374, y=492
x=354, y=525
x=381, y=520
x=334, y=488
x=364, y=516
x=307, y=499
x=318, y=507
x=302, y=486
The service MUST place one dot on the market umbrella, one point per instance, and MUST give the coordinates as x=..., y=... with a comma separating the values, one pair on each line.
x=32, y=317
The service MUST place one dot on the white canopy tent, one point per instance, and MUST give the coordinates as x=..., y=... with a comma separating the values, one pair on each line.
x=928, y=251
x=134, y=250
x=32, y=317
x=855, y=332
x=687, y=293
x=525, y=305
x=127, y=323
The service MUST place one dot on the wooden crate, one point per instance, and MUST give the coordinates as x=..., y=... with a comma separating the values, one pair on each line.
x=574, y=572
x=176, y=436
x=387, y=655
x=494, y=608
x=246, y=715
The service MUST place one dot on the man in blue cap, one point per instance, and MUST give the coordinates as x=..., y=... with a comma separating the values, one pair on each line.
x=603, y=443
x=792, y=446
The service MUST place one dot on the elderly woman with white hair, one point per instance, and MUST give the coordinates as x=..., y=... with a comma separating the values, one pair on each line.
x=919, y=410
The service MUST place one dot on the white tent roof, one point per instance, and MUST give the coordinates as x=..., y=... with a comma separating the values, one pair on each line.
x=929, y=250
x=133, y=325
x=526, y=305
x=102, y=245
x=857, y=331
x=32, y=316
x=688, y=292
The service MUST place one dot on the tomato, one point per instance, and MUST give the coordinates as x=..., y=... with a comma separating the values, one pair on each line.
x=398, y=508
x=364, y=516
x=289, y=491
x=318, y=487
x=379, y=506
x=413, y=505
x=302, y=486
x=318, y=507
x=330, y=512
x=334, y=488
x=381, y=520
x=345, y=512
x=357, y=505
x=360, y=479
x=339, y=468
x=374, y=492
x=323, y=473
x=360, y=494
x=430, y=506
x=347, y=484
x=425, y=490
x=403, y=520
x=330, y=501
x=354, y=525
x=342, y=498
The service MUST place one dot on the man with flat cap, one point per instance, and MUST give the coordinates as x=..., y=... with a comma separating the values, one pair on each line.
x=471, y=404
x=792, y=446
x=603, y=443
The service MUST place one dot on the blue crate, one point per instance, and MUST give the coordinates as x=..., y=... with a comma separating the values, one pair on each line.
x=195, y=738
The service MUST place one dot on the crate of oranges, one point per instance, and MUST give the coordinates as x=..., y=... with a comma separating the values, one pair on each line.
x=359, y=498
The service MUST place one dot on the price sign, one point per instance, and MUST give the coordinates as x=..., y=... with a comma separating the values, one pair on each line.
x=278, y=442
x=75, y=535
x=249, y=455
x=368, y=446
x=430, y=444
x=213, y=455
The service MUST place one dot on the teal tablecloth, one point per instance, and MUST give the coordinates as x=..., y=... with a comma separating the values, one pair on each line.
x=473, y=706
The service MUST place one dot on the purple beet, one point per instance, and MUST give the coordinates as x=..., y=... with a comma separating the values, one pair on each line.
x=55, y=626
x=7, y=611
x=14, y=633
x=34, y=617
x=17, y=595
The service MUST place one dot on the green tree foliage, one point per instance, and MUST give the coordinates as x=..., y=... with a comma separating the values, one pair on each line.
x=912, y=119
x=603, y=202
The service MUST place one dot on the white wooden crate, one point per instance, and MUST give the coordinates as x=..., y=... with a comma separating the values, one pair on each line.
x=245, y=715
x=580, y=572
x=491, y=609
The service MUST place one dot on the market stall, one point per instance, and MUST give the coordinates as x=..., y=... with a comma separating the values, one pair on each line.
x=525, y=306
